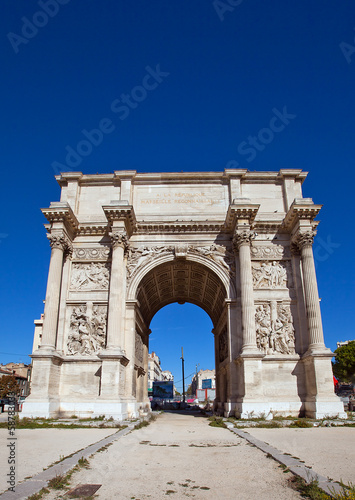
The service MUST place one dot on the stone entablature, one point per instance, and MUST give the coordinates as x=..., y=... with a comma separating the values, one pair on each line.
x=236, y=243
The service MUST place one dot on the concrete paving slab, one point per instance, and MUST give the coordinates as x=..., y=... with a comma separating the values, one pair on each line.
x=330, y=451
x=36, y=449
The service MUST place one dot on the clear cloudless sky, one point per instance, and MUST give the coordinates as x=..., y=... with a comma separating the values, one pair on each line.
x=227, y=68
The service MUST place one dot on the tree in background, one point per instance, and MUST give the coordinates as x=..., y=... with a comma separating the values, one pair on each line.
x=8, y=385
x=344, y=365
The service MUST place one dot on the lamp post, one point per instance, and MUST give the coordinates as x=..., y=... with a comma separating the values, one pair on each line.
x=183, y=375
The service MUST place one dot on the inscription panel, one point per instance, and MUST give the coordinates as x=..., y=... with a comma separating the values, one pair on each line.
x=180, y=200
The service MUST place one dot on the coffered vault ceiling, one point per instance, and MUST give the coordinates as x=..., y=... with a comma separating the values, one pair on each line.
x=181, y=281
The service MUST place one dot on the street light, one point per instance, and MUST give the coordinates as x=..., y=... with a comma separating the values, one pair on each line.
x=183, y=375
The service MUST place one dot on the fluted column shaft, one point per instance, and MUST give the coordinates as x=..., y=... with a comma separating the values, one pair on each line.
x=314, y=318
x=115, y=334
x=59, y=245
x=242, y=243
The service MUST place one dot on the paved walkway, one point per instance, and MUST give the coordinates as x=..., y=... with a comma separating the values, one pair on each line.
x=182, y=456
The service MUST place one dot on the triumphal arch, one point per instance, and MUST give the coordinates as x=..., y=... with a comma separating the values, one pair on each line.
x=236, y=243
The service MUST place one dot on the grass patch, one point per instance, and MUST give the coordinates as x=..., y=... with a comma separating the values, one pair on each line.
x=301, y=424
x=268, y=425
x=59, y=482
x=39, y=495
x=144, y=423
x=216, y=422
x=83, y=462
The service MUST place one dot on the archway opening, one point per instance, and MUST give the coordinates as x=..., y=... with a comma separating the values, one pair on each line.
x=180, y=281
x=188, y=326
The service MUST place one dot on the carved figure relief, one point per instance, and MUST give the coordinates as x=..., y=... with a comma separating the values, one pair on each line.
x=218, y=254
x=274, y=328
x=91, y=276
x=269, y=275
x=143, y=254
x=139, y=348
x=269, y=252
x=222, y=346
x=87, y=333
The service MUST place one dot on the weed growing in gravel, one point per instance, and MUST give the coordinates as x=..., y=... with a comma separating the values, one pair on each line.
x=83, y=462
x=39, y=495
x=140, y=425
x=301, y=423
x=216, y=422
x=58, y=482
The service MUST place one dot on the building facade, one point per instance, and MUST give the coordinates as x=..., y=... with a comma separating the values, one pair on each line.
x=155, y=372
x=236, y=243
x=202, y=379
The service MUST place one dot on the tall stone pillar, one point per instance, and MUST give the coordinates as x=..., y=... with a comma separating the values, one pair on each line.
x=60, y=244
x=242, y=240
x=115, y=322
x=315, y=330
x=319, y=400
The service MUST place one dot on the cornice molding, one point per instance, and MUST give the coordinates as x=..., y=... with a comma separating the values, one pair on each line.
x=240, y=210
x=301, y=209
x=62, y=212
x=121, y=211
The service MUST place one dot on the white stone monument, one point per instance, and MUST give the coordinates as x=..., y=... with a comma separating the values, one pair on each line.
x=236, y=243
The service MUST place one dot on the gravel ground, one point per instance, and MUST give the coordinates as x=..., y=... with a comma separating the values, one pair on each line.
x=182, y=456
x=330, y=451
x=36, y=449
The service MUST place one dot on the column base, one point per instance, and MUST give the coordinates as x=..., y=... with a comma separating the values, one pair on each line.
x=333, y=408
x=118, y=409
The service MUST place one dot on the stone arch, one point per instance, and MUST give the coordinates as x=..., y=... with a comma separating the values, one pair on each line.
x=205, y=265
x=195, y=279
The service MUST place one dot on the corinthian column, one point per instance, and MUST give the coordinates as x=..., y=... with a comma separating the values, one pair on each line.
x=115, y=333
x=305, y=241
x=59, y=244
x=241, y=242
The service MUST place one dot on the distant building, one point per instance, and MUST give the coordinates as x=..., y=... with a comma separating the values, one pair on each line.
x=341, y=344
x=205, y=379
x=154, y=370
x=167, y=375
x=37, y=338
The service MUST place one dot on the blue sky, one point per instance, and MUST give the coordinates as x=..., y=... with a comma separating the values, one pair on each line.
x=226, y=68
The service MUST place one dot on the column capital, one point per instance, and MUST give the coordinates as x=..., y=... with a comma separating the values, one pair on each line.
x=243, y=237
x=303, y=239
x=61, y=241
x=119, y=239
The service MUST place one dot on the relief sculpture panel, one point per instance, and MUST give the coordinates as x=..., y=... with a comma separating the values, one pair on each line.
x=219, y=254
x=274, y=328
x=143, y=254
x=223, y=346
x=270, y=274
x=90, y=276
x=139, y=348
x=87, y=334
